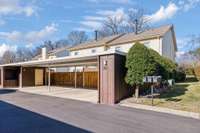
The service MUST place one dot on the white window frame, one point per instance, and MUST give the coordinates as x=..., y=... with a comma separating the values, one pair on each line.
x=76, y=53
x=93, y=51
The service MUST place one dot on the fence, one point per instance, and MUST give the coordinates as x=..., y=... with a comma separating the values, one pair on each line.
x=83, y=80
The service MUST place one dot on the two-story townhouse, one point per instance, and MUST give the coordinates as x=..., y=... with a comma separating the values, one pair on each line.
x=161, y=39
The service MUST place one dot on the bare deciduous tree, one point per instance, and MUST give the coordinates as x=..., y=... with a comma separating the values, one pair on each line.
x=8, y=57
x=49, y=45
x=114, y=24
x=77, y=37
x=137, y=22
x=134, y=21
x=24, y=54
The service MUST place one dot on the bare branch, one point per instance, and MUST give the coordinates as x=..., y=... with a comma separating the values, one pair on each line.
x=77, y=37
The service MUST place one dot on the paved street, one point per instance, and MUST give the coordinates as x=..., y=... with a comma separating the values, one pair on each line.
x=29, y=113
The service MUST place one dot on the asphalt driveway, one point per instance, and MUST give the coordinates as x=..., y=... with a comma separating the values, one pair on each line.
x=22, y=112
x=82, y=94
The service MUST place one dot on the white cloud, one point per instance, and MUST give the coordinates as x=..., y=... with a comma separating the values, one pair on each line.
x=114, y=13
x=95, y=22
x=94, y=18
x=35, y=36
x=113, y=1
x=186, y=5
x=12, y=36
x=91, y=24
x=172, y=9
x=5, y=47
x=30, y=45
x=180, y=54
x=29, y=37
x=164, y=13
x=29, y=11
x=10, y=7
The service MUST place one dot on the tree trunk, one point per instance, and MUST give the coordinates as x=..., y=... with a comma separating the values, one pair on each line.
x=137, y=92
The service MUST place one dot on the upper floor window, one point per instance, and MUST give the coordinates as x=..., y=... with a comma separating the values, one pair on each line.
x=76, y=53
x=118, y=48
x=93, y=50
x=106, y=48
x=146, y=43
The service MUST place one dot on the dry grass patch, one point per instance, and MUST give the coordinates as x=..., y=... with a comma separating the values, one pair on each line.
x=183, y=96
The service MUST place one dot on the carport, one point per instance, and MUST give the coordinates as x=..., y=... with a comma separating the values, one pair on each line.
x=110, y=74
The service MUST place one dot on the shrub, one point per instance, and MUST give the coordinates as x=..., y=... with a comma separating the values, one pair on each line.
x=180, y=75
x=197, y=72
x=140, y=63
x=166, y=67
x=189, y=71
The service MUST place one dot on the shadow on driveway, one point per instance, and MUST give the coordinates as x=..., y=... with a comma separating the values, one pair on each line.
x=14, y=119
x=7, y=91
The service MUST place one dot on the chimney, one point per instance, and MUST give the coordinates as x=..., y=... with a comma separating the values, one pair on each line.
x=136, y=26
x=96, y=35
x=44, y=53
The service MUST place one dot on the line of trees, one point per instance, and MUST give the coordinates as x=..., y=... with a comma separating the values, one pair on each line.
x=25, y=54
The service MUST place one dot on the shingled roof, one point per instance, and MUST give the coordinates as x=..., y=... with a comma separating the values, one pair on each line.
x=127, y=38
x=95, y=43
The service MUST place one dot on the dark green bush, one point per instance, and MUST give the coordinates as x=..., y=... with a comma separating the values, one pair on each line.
x=165, y=67
x=180, y=75
x=140, y=63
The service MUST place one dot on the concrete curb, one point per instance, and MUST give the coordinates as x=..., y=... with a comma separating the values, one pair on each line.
x=163, y=110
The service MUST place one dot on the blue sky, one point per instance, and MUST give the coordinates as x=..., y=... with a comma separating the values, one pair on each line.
x=27, y=23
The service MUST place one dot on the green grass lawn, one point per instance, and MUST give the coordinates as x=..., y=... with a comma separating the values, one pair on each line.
x=183, y=96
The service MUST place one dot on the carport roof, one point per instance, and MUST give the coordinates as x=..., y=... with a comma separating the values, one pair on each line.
x=77, y=60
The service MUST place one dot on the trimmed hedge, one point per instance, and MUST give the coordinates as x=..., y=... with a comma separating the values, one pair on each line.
x=140, y=63
x=143, y=61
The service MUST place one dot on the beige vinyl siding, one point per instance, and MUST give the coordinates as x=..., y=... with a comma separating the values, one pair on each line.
x=168, y=48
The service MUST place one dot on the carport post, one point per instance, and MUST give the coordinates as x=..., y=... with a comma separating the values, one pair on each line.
x=2, y=77
x=49, y=78
x=20, y=77
x=75, y=80
x=83, y=76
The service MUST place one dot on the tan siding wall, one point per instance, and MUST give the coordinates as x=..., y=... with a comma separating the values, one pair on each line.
x=112, y=84
x=168, y=49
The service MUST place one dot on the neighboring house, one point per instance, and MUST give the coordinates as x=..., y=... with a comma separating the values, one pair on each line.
x=160, y=39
